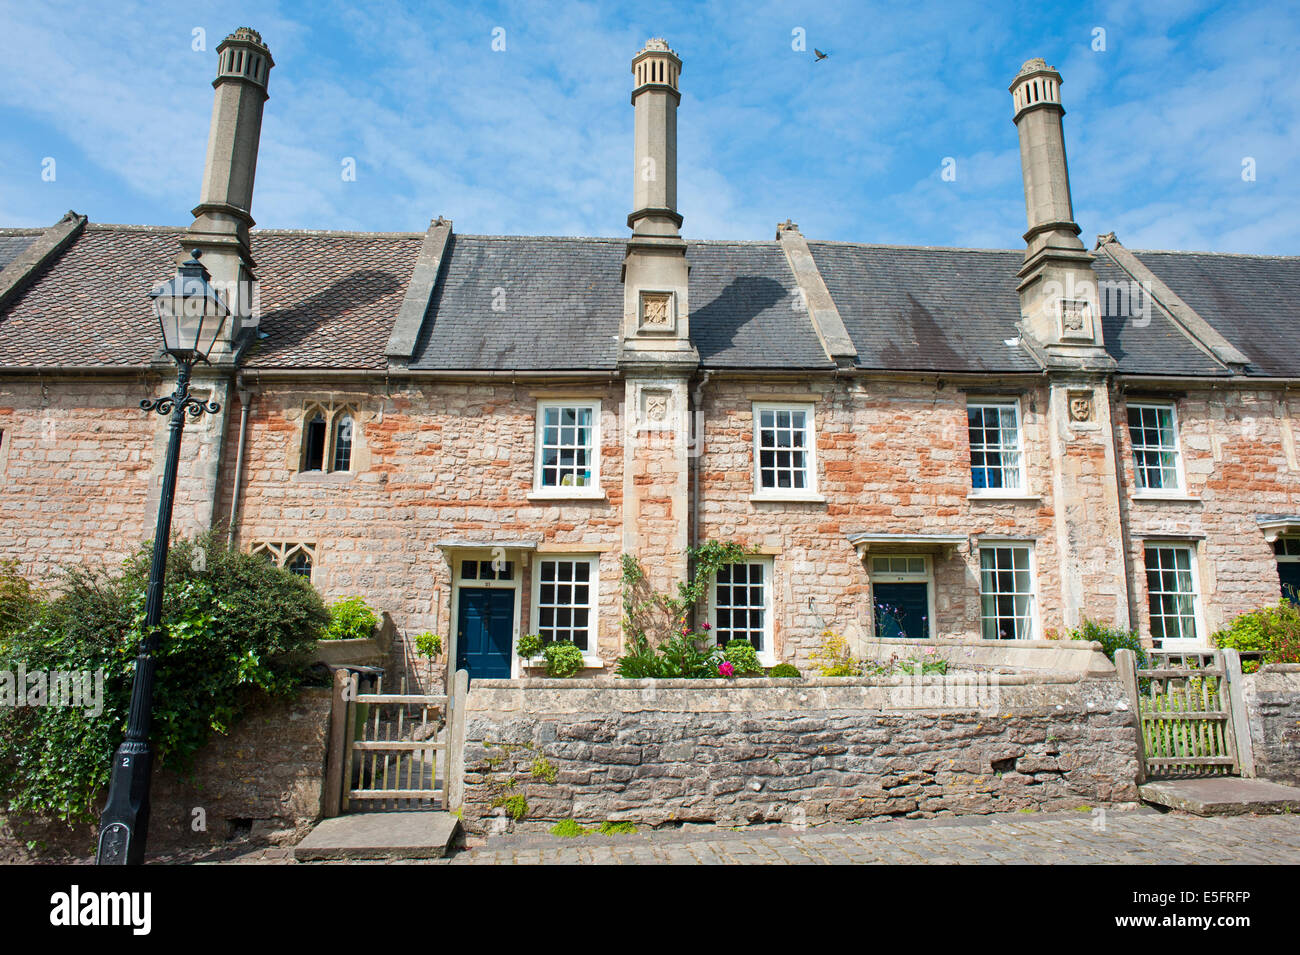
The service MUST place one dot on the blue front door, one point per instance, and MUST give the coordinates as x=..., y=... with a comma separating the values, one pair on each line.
x=902, y=610
x=483, y=630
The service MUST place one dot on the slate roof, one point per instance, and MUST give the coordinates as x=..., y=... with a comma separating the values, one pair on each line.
x=12, y=243
x=329, y=300
x=1253, y=301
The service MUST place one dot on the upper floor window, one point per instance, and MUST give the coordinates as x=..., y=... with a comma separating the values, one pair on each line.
x=568, y=449
x=1006, y=592
x=328, y=437
x=1153, y=429
x=1171, y=593
x=996, y=453
x=741, y=608
x=784, y=442
x=564, y=600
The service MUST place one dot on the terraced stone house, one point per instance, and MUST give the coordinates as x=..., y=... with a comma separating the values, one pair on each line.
x=470, y=431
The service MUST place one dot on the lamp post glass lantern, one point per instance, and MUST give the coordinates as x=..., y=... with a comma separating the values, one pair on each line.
x=191, y=315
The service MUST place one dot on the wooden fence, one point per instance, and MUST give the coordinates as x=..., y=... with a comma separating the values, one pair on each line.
x=392, y=751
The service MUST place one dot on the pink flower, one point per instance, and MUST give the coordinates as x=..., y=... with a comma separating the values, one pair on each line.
x=706, y=626
x=725, y=668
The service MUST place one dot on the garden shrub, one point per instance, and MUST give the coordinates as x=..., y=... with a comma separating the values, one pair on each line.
x=743, y=657
x=563, y=658
x=784, y=670
x=351, y=619
x=1111, y=639
x=1274, y=631
x=18, y=601
x=833, y=657
x=529, y=646
x=234, y=624
x=428, y=645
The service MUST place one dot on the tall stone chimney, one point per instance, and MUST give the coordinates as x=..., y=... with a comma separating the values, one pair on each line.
x=657, y=357
x=223, y=217
x=1058, y=289
x=655, y=272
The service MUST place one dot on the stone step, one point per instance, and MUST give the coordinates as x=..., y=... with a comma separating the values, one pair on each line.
x=1222, y=795
x=380, y=835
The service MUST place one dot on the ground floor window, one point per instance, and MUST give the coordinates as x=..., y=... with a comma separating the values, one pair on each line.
x=1287, y=550
x=741, y=604
x=1006, y=592
x=1171, y=592
x=564, y=600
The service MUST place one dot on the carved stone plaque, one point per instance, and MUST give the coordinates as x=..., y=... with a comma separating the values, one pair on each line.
x=657, y=312
x=1080, y=406
x=656, y=407
x=1076, y=319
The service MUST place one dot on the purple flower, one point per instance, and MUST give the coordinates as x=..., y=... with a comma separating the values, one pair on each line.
x=726, y=669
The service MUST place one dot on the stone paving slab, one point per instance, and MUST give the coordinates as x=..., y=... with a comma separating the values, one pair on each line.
x=380, y=835
x=1222, y=796
x=1132, y=837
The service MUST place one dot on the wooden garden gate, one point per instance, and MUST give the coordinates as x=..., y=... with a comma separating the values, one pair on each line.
x=394, y=751
x=1191, y=716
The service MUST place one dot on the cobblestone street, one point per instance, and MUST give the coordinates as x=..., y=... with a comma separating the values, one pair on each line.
x=1134, y=837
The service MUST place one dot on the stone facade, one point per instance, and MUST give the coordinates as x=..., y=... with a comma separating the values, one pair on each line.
x=1272, y=697
x=664, y=753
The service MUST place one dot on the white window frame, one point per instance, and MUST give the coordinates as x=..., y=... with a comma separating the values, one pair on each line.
x=1198, y=621
x=925, y=576
x=809, y=491
x=1032, y=622
x=567, y=491
x=767, y=655
x=1021, y=471
x=589, y=655
x=1180, y=489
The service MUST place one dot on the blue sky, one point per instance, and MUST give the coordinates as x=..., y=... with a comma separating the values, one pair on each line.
x=537, y=139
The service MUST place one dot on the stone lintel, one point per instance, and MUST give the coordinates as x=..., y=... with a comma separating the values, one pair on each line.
x=419, y=293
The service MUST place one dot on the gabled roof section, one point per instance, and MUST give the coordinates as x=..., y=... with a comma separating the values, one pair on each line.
x=746, y=311
x=1251, y=300
x=524, y=303
x=927, y=309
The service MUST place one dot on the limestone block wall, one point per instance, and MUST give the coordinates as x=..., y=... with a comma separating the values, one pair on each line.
x=262, y=782
x=441, y=461
x=75, y=460
x=1272, y=698
x=1239, y=460
x=892, y=457
x=663, y=753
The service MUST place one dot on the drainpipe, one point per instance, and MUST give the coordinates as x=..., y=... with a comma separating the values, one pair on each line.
x=245, y=400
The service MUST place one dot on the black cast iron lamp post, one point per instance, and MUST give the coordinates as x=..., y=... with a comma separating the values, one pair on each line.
x=191, y=315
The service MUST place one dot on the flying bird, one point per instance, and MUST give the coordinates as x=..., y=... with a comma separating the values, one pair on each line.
x=820, y=55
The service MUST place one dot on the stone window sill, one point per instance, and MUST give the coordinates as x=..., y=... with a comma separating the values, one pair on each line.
x=596, y=494
x=1003, y=496
x=323, y=477
x=1165, y=496
x=787, y=499
x=589, y=662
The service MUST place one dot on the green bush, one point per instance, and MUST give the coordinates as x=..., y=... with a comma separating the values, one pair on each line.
x=529, y=646
x=689, y=656
x=18, y=601
x=563, y=658
x=350, y=619
x=234, y=624
x=784, y=670
x=1111, y=639
x=640, y=663
x=741, y=655
x=428, y=645
x=1274, y=631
